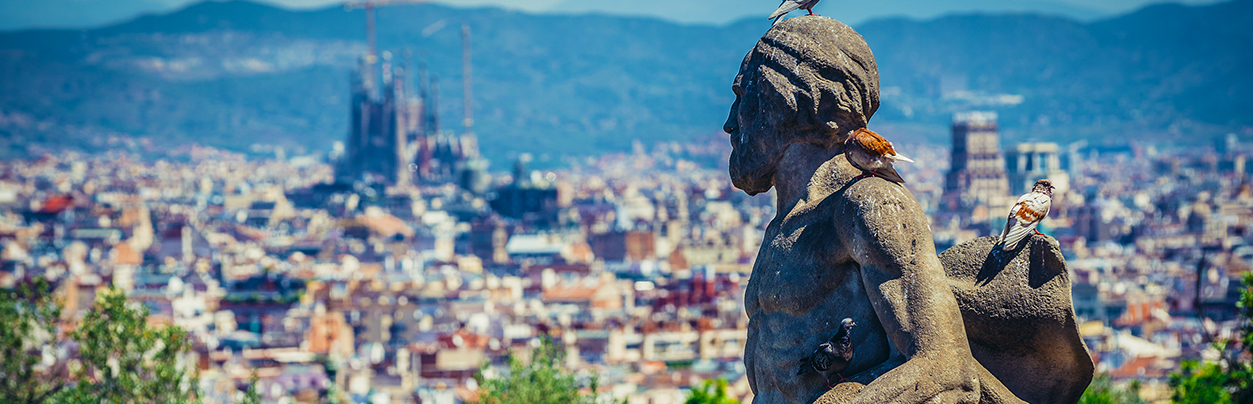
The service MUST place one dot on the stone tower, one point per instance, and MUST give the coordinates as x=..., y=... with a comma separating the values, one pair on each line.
x=396, y=139
x=377, y=137
x=977, y=175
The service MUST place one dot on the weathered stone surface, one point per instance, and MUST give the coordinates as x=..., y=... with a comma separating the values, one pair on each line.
x=1019, y=317
x=809, y=80
x=843, y=246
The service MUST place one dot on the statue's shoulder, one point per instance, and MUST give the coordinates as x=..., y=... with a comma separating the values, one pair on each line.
x=845, y=182
x=852, y=198
x=874, y=193
x=875, y=206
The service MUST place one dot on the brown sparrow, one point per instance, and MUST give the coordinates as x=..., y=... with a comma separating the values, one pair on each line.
x=873, y=155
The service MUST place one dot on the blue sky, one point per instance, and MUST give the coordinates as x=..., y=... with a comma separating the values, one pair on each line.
x=15, y=14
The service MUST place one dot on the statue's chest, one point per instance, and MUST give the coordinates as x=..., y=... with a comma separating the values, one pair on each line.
x=799, y=262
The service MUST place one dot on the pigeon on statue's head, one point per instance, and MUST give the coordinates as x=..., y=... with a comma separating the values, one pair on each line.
x=1027, y=214
x=833, y=356
x=873, y=155
x=789, y=5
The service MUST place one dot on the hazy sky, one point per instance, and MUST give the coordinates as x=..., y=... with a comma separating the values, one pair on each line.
x=85, y=13
x=652, y=6
x=549, y=5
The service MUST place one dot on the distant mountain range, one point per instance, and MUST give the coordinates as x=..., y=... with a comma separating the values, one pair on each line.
x=233, y=74
x=15, y=14
x=853, y=12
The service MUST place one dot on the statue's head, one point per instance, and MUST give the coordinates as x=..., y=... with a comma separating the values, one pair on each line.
x=809, y=80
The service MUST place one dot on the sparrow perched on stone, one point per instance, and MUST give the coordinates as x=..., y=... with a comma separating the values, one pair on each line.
x=832, y=356
x=873, y=154
x=1027, y=214
x=789, y=5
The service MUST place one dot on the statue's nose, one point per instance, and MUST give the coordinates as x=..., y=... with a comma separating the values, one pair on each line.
x=732, y=122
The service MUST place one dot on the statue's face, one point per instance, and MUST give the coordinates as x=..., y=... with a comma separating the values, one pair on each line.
x=755, y=123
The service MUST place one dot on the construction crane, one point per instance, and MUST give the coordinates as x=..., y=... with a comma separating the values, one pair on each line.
x=465, y=75
x=372, y=57
x=369, y=6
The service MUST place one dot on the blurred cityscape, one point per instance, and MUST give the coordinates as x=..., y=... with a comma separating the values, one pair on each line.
x=395, y=267
x=634, y=262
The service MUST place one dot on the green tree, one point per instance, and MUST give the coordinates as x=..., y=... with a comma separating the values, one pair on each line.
x=1103, y=391
x=541, y=381
x=1230, y=380
x=1242, y=375
x=123, y=360
x=1198, y=383
x=28, y=330
x=251, y=395
x=711, y=392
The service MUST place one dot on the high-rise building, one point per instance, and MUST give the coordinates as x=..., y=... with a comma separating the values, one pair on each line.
x=977, y=175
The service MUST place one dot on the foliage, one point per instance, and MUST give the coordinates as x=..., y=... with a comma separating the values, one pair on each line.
x=121, y=359
x=29, y=316
x=1103, y=391
x=1231, y=380
x=1242, y=374
x=541, y=381
x=711, y=392
x=1200, y=384
x=126, y=361
x=252, y=396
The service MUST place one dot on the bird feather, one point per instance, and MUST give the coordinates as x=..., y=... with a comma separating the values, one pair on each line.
x=898, y=157
x=873, y=142
x=786, y=7
x=1024, y=217
x=889, y=173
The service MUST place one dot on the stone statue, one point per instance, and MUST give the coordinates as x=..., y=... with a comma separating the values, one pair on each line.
x=930, y=328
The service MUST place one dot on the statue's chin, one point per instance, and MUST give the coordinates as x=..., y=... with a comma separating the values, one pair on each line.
x=752, y=179
x=752, y=189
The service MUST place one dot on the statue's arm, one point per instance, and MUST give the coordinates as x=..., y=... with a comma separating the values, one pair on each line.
x=908, y=289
